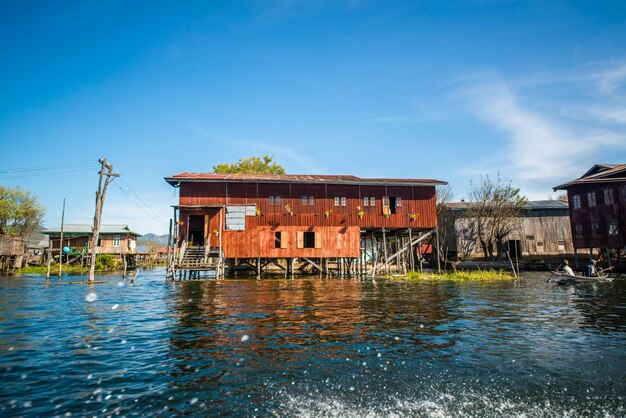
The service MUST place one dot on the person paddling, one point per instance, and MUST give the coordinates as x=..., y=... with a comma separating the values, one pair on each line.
x=567, y=269
x=592, y=269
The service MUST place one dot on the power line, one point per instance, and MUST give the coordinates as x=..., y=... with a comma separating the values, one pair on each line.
x=80, y=170
x=58, y=166
x=130, y=189
x=133, y=199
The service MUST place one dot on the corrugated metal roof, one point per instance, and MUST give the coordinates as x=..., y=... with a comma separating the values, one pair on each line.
x=86, y=229
x=532, y=205
x=297, y=178
x=599, y=173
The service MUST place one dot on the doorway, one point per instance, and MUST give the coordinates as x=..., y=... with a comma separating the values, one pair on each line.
x=514, y=247
x=196, y=230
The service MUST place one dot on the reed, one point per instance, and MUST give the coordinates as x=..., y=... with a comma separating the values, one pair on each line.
x=461, y=276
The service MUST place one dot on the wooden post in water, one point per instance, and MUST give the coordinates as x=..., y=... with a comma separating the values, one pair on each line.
x=385, y=251
x=49, y=258
x=411, y=260
x=61, y=241
x=438, y=257
x=100, y=195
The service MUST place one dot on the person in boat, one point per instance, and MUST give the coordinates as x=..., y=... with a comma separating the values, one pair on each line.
x=592, y=269
x=567, y=269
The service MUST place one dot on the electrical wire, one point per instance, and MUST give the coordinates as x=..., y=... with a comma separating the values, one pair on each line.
x=139, y=198
x=58, y=166
x=133, y=199
x=81, y=170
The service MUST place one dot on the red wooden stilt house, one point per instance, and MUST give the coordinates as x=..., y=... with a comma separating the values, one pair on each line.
x=224, y=221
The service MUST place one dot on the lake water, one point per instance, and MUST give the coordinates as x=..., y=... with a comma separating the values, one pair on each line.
x=311, y=347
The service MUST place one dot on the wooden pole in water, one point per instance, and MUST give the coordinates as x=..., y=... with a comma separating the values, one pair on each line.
x=411, y=260
x=49, y=257
x=385, y=251
x=167, y=255
x=61, y=241
x=100, y=196
x=438, y=257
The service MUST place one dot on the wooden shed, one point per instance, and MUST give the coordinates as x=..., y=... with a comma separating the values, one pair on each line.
x=544, y=231
x=223, y=220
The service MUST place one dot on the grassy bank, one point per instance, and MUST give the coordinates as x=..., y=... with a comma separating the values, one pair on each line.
x=461, y=276
x=54, y=269
x=104, y=263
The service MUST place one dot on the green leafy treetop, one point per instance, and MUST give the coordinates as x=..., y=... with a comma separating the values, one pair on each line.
x=20, y=212
x=250, y=165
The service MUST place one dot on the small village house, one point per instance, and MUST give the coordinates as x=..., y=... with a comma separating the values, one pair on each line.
x=113, y=239
x=228, y=220
x=544, y=232
x=597, y=208
x=11, y=253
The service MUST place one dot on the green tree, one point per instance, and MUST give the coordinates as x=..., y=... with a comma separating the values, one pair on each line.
x=20, y=212
x=251, y=165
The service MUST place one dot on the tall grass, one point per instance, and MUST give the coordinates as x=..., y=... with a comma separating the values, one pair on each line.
x=462, y=276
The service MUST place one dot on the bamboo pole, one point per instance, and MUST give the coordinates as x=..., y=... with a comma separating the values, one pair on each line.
x=49, y=257
x=61, y=241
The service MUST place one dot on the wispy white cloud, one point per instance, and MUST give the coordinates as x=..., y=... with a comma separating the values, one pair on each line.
x=547, y=140
x=611, y=78
x=290, y=155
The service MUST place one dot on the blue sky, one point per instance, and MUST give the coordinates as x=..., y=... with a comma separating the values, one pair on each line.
x=533, y=90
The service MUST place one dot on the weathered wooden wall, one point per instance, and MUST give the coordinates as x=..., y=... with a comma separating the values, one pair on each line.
x=601, y=212
x=260, y=242
x=418, y=200
x=548, y=230
x=11, y=246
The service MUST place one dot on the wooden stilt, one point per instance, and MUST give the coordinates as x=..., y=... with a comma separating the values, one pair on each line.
x=411, y=258
x=49, y=258
x=438, y=257
x=385, y=251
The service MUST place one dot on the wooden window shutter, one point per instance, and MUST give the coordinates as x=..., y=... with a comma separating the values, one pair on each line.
x=299, y=239
x=283, y=239
x=386, y=210
x=318, y=240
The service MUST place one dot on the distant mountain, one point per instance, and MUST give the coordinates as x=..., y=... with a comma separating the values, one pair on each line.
x=161, y=239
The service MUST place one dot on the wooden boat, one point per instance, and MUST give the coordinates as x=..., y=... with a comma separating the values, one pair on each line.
x=562, y=278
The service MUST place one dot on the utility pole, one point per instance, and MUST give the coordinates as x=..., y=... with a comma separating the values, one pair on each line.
x=100, y=195
x=61, y=241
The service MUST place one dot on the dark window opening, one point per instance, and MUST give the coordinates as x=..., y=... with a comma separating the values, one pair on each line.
x=276, y=239
x=309, y=240
x=514, y=248
x=393, y=204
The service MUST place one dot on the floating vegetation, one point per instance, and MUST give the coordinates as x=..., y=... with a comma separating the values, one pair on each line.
x=460, y=276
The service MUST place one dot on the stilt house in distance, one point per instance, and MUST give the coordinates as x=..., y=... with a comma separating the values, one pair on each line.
x=597, y=208
x=234, y=218
x=113, y=239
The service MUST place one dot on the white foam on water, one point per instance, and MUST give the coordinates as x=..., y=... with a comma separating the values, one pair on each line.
x=467, y=404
